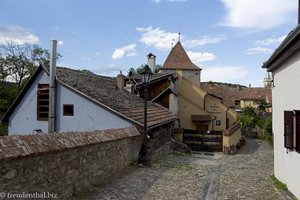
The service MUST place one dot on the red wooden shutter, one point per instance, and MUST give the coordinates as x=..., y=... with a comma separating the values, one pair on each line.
x=288, y=129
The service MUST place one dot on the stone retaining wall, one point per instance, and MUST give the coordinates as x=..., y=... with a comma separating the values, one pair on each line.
x=64, y=164
x=160, y=142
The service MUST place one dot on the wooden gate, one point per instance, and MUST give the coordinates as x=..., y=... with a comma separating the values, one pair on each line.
x=203, y=140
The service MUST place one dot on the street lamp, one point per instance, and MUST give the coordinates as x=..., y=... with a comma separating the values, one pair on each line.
x=146, y=74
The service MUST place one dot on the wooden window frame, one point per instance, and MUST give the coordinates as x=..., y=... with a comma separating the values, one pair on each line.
x=297, y=131
x=65, y=113
x=292, y=130
x=41, y=91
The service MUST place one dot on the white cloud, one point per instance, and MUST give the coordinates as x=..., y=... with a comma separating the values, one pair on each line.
x=228, y=74
x=270, y=41
x=204, y=40
x=128, y=50
x=97, y=53
x=60, y=43
x=157, y=38
x=109, y=70
x=17, y=34
x=265, y=46
x=257, y=50
x=258, y=14
x=198, y=57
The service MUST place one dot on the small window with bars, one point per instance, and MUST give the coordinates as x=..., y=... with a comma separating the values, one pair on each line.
x=43, y=102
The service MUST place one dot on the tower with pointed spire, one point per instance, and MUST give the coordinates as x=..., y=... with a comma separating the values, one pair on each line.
x=178, y=61
x=267, y=80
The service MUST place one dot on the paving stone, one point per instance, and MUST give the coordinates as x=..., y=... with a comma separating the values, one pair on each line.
x=245, y=175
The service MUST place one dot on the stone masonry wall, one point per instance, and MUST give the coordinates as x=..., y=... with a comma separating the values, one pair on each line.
x=160, y=141
x=63, y=164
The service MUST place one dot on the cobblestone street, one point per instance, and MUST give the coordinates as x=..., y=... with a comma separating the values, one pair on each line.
x=245, y=175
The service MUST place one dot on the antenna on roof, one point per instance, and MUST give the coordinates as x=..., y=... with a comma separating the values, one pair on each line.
x=179, y=37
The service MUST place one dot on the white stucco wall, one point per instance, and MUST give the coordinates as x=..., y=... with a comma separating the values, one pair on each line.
x=87, y=115
x=286, y=96
x=24, y=118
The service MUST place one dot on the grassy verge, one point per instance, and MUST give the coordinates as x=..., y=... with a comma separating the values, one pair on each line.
x=279, y=184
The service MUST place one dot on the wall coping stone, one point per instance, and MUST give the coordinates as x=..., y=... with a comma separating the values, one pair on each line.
x=15, y=146
x=232, y=129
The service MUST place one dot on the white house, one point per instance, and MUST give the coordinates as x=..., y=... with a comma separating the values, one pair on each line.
x=84, y=102
x=285, y=67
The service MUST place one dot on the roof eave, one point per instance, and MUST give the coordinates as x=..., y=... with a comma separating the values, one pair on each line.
x=12, y=107
x=290, y=38
x=163, y=123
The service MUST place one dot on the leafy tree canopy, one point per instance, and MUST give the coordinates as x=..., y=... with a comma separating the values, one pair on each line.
x=19, y=61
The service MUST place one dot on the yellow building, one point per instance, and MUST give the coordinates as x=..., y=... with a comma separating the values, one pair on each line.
x=197, y=109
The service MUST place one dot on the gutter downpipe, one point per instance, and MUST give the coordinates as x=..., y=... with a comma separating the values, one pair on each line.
x=52, y=88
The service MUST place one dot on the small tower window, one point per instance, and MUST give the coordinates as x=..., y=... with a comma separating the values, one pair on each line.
x=68, y=109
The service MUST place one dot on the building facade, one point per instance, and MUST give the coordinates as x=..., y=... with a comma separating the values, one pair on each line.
x=285, y=67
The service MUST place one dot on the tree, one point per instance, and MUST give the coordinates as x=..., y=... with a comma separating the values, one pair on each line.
x=262, y=105
x=131, y=71
x=138, y=70
x=248, y=117
x=3, y=71
x=19, y=61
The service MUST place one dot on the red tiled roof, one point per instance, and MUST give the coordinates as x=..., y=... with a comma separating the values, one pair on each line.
x=230, y=94
x=104, y=90
x=254, y=93
x=178, y=59
x=227, y=94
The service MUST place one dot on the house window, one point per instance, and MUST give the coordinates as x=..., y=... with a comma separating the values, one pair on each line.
x=218, y=122
x=288, y=129
x=292, y=130
x=68, y=109
x=43, y=102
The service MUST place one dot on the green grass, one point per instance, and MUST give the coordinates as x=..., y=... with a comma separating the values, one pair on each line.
x=279, y=184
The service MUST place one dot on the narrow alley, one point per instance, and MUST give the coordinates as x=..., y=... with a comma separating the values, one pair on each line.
x=245, y=175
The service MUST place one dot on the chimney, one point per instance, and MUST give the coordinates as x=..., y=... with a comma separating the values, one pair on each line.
x=52, y=87
x=250, y=86
x=120, y=81
x=151, y=62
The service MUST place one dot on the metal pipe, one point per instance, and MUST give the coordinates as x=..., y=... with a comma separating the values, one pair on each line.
x=52, y=87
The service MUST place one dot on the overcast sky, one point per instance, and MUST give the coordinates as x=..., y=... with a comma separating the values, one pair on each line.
x=228, y=39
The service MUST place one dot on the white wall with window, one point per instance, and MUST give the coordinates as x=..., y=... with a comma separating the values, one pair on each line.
x=25, y=119
x=286, y=107
x=76, y=113
x=73, y=111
